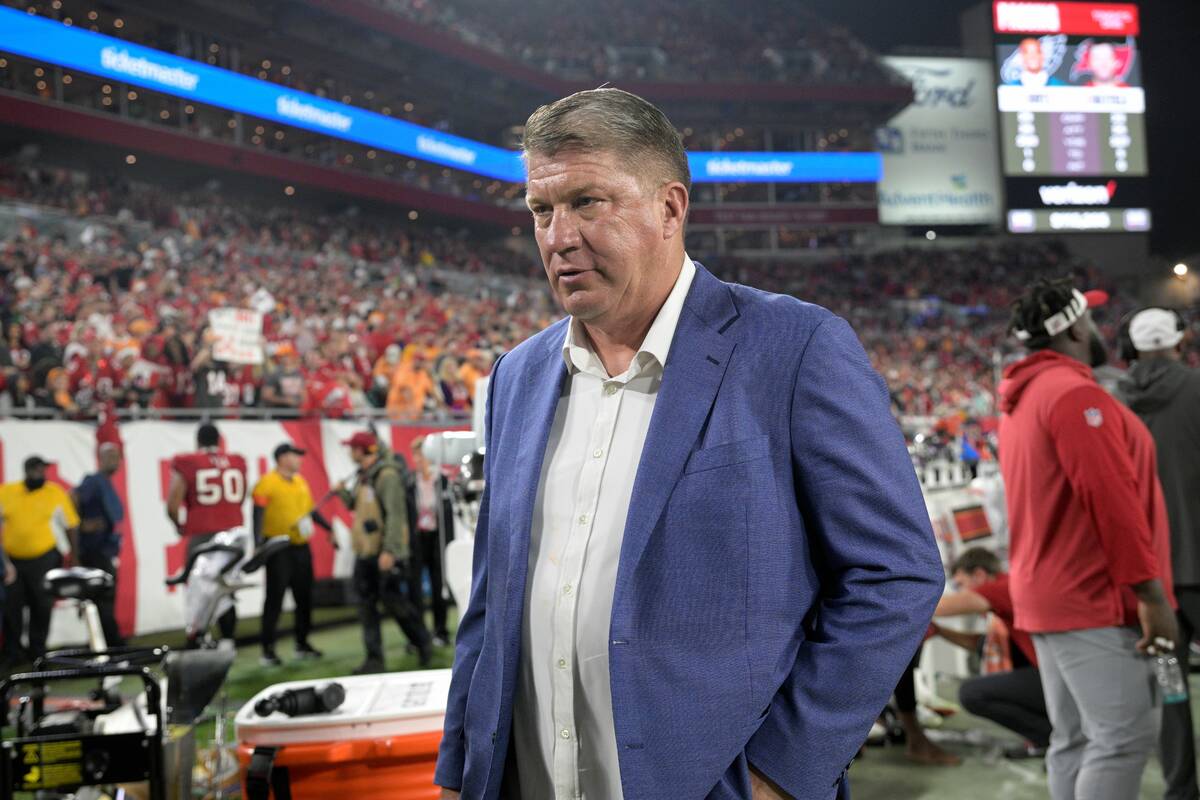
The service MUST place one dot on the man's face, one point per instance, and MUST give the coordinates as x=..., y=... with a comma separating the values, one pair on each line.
x=36, y=474
x=1031, y=55
x=357, y=455
x=1097, y=350
x=1102, y=59
x=289, y=462
x=969, y=581
x=599, y=229
x=110, y=460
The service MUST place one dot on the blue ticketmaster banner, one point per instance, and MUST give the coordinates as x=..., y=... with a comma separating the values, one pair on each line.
x=107, y=57
x=785, y=167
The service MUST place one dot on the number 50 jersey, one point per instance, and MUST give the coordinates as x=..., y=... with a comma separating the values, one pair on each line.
x=216, y=487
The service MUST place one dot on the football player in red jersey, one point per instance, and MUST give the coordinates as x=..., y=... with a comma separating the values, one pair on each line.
x=211, y=486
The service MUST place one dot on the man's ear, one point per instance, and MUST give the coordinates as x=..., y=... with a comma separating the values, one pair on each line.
x=674, y=208
x=1079, y=331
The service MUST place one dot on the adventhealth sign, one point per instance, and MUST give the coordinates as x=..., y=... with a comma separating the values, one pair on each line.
x=941, y=163
x=50, y=41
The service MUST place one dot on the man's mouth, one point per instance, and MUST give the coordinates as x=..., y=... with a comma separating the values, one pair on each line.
x=571, y=274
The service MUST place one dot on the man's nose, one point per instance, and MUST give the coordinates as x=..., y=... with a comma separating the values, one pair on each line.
x=562, y=234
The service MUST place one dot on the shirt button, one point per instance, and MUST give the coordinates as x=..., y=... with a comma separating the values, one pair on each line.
x=566, y=734
x=583, y=519
x=597, y=453
x=567, y=589
x=562, y=663
x=611, y=389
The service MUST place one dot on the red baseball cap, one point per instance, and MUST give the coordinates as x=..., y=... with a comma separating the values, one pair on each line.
x=363, y=440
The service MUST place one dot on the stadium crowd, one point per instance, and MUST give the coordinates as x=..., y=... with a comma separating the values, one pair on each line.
x=933, y=320
x=354, y=317
x=839, y=59
x=772, y=42
x=359, y=314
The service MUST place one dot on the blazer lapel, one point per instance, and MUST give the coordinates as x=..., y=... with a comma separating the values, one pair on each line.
x=541, y=390
x=695, y=368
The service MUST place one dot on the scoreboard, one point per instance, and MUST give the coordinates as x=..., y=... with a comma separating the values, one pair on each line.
x=1071, y=105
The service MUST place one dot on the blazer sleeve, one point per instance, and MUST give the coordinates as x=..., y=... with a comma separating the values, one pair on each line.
x=874, y=550
x=452, y=753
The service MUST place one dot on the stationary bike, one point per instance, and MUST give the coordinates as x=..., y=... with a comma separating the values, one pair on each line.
x=65, y=746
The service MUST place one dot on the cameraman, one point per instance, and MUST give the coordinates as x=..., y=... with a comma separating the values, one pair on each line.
x=380, y=537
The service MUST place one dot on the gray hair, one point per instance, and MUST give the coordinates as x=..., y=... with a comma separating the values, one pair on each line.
x=610, y=120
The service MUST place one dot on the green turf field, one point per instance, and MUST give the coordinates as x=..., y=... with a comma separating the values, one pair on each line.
x=882, y=774
x=337, y=635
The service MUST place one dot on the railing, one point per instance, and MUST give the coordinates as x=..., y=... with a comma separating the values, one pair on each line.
x=239, y=412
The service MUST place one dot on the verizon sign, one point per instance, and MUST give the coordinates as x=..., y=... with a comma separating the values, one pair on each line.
x=1079, y=19
x=1076, y=194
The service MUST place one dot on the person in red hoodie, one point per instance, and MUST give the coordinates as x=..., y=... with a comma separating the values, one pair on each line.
x=1090, y=555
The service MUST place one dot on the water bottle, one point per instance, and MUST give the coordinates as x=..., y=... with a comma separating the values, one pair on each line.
x=1169, y=674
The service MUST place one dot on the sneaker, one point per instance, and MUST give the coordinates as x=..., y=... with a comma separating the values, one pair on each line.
x=370, y=667
x=424, y=656
x=306, y=652
x=1023, y=751
x=441, y=640
x=269, y=659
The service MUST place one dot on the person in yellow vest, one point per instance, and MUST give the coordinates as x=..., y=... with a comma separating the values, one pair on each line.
x=283, y=506
x=31, y=509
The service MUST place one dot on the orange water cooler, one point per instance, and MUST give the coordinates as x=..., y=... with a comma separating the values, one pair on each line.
x=381, y=742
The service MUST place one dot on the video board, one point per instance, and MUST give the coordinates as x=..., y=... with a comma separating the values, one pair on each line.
x=1071, y=104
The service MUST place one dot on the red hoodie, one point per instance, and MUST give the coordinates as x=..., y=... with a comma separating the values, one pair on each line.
x=1086, y=511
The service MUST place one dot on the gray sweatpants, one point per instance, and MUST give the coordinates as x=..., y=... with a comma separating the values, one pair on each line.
x=1104, y=707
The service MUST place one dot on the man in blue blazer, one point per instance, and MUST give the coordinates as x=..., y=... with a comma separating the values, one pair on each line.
x=702, y=559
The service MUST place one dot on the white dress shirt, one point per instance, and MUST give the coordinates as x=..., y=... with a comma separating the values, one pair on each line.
x=566, y=746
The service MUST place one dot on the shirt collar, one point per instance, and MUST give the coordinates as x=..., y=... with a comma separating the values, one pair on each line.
x=577, y=350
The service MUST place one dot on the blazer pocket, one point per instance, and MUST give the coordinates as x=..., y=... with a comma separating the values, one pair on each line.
x=725, y=455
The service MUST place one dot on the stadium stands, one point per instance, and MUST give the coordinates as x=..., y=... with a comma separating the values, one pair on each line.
x=769, y=42
x=119, y=311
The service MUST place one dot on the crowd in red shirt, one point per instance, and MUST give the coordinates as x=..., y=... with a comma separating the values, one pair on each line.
x=110, y=301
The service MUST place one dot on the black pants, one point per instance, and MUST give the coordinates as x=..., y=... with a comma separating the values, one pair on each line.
x=1013, y=700
x=108, y=619
x=227, y=622
x=28, y=592
x=906, y=689
x=373, y=588
x=1177, y=750
x=427, y=556
x=289, y=569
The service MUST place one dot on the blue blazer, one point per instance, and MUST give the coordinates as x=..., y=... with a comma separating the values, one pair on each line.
x=777, y=574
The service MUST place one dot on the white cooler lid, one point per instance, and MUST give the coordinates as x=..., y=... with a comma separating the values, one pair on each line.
x=392, y=704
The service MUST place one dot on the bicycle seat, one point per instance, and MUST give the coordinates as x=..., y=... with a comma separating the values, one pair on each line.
x=212, y=547
x=81, y=583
